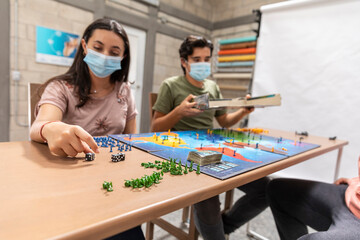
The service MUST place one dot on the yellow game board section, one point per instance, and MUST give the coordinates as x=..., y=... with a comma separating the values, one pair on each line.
x=169, y=139
x=253, y=130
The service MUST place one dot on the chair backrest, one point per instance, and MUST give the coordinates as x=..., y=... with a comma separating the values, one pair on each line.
x=152, y=100
x=33, y=99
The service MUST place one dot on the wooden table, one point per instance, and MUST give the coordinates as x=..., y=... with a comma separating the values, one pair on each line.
x=45, y=196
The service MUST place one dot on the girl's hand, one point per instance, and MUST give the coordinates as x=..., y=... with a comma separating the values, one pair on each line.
x=68, y=140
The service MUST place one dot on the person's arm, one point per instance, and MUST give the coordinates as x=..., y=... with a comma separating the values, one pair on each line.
x=130, y=126
x=229, y=119
x=352, y=194
x=63, y=139
x=348, y=180
x=163, y=122
x=342, y=181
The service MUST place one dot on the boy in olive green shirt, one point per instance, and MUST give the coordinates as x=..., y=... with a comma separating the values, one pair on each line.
x=174, y=109
x=175, y=89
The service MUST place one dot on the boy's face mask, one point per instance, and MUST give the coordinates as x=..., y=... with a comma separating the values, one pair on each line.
x=200, y=70
x=102, y=65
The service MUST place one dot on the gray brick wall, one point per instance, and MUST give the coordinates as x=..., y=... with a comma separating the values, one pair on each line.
x=31, y=13
x=52, y=14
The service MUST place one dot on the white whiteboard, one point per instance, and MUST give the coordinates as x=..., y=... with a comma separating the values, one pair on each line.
x=309, y=52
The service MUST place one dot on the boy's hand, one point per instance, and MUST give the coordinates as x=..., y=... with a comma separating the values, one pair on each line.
x=186, y=108
x=248, y=110
x=341, y=181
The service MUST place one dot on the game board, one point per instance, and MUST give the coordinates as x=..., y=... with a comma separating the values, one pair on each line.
x=242, y=150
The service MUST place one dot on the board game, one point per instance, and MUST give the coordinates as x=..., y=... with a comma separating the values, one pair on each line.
x=242, y=149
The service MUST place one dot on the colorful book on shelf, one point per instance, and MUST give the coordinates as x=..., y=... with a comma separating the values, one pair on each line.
x=237, y=40
x=238, y=45
x=234, y=70
x=236, y=64
x=233, y=75
x=237, y=58
x=237, y=51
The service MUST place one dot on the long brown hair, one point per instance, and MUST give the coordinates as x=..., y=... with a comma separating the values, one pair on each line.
x=78, y=74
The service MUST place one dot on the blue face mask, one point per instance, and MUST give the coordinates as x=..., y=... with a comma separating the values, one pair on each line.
x=102, y=65
x=200, y=70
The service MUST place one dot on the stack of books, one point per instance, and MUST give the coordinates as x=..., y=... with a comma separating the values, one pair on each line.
x=204, y=157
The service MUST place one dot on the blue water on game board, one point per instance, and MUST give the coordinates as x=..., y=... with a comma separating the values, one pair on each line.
x=237, y=159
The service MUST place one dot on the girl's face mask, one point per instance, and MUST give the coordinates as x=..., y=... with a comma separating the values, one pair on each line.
x=102, y=65
x=200, y=70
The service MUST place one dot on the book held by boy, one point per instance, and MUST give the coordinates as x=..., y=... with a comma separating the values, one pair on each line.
x=203, y=102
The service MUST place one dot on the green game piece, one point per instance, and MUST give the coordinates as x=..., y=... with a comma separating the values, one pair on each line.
x=180, y=167
x=108, y=186
x=198, y=169
x=175, y=168
x=127, y=183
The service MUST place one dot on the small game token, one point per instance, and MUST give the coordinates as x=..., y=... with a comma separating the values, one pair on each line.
x=117, y=157
x=89, y=156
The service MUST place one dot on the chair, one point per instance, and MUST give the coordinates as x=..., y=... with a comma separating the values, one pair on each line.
x=152, y=100
x=192, y=234
x=33, y=99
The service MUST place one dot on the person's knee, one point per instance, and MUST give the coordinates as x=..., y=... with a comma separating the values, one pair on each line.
x=273, y=187
x=256, y=188
x=208, y=211
x=208, y=204
x=263, y=184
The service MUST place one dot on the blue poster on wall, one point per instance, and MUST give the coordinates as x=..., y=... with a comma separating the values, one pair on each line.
x=55, y=47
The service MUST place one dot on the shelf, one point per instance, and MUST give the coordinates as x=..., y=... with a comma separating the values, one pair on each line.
x=232, y=87
x=232, y=75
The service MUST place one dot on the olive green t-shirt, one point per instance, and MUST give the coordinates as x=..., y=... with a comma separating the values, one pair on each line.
x=175, y=89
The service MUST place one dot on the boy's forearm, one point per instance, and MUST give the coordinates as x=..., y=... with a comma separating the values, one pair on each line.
x=166, y=122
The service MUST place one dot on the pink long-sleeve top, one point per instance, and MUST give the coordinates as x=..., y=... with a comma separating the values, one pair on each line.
x=352, y=194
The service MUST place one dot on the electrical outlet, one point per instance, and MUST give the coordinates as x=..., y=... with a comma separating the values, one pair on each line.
x=16, y=75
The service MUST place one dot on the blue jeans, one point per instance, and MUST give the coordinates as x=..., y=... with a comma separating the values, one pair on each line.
x=212, y=225
x=297, y=204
